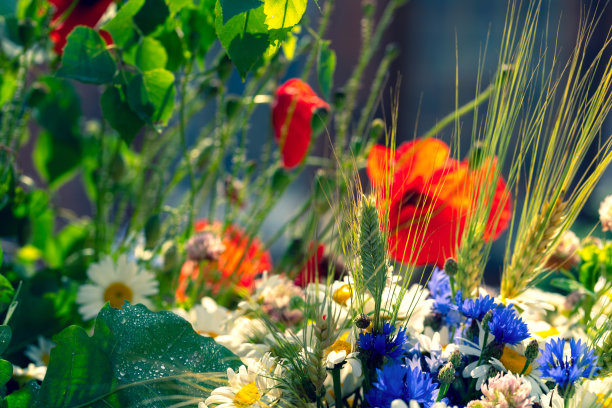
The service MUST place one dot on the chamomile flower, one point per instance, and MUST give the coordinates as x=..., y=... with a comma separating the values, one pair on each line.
x=513, y=360
x=115, y=283
x=208, y=318
x=31, y=372
x=469, y=348
x=40, y=353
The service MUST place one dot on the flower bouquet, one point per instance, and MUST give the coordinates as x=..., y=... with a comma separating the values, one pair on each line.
x=150, y=258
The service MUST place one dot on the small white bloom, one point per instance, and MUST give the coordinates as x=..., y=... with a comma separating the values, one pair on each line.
x=207, y=318
x=335, y=357
x=40, y=354
x=31, y=372
x=115, y=283
x=605, y=213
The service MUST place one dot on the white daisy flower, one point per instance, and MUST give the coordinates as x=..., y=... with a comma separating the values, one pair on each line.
x=40, y=354
x=350, y=373
x=246, y=389
x=472, y=349
x=207, y=318
x=115, y=283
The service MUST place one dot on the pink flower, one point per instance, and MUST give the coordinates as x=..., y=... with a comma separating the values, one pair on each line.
x=504, y=391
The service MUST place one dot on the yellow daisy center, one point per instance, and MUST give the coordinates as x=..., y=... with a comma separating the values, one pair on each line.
x=247, y=395
x=338, y=346
x=342, y=294
x=117, y=293
x=604, y=400
x=547, y=333
x=513, y=361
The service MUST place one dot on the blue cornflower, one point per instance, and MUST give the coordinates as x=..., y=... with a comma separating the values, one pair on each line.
x=474, y=308
x=507, y=327
x=439, y=286
x=565, y=371
x=378, y=345
x=397, y=381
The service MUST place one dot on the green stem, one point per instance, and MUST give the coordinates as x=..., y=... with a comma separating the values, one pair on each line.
x=442, y=392
x=527, y=362
x=482, y=351
x=183, y=134
x=467, y=108
x=337, y=385
x=327, y=11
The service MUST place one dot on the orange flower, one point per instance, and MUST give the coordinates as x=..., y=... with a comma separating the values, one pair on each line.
x=428, y=196
x=236, y=265
x=294, y=104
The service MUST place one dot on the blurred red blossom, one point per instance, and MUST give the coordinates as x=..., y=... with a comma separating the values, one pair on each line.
x=428, y=196
x=292, y=110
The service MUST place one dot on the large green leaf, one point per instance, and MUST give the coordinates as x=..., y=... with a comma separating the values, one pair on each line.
x=232, y=8
x=150, y=54
x=6, y=295
x=121, y=27
x=24, y=397
x=130, y=348
x=5, y=337
x=6, y=371
x=119, y=114
x=244, y=37
x=151, y=15
x=284, y=13
x=86, y=58
x=151, y=95
x=79, y=372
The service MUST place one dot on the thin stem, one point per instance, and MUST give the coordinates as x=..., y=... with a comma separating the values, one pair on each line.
x=327, y=11
x=337, y=384
x=183, y=135
x=467, y=108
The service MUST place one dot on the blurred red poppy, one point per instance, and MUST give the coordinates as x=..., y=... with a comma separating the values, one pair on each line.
x=428, y=197
x=67, y=16
x=294, y=104
x=237, y=265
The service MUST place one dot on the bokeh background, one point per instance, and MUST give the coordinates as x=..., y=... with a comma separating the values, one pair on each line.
x=434, y=38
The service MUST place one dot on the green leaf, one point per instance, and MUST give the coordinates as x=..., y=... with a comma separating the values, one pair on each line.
x=244, y=37
x=176, y=5
x=23, y=397
x=198, y=27
x=151, y=95
x=6, y=371
x=151, y=15
x=5, y=337
x=79, y=372
x=86, y=58
x=284, y=13
x=130, y=347
x=150, y=54
x=569, y=285
x=326, y=66
x=8, y=86
x=57, y=106
x=6, y=293
x=232, y=8
x=121, y=27
x=119, y=114
x=173, y=46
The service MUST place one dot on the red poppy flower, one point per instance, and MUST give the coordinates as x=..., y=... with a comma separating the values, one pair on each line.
x=428, y=197
x=294, y=104
x=84, y=12
x=237, y=265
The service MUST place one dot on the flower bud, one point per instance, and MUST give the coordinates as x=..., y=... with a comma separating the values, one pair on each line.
x=532, y=350
x=170, y=255
x=232, y=106
x=455, y=358
x=486, y=319
x=476, y=155
x=204, y=247
x=377, y=128
x=362, y=321
x=152, y=231
x=447, y=374
x=451, y=267
x=339, y=99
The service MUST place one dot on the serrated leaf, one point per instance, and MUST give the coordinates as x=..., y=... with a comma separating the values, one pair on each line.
x=284, y=13
x=86, y=58
x=121, y=27
x=5, y=337
x=151, y=95
x=119, y=114
x=232, y=8
x=326, y=66
x=244, y=37
x=151, y=15
x=150, y=54
x=79, y=372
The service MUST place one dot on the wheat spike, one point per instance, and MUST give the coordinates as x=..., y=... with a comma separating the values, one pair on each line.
x=469, y=261
x=533, y=248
